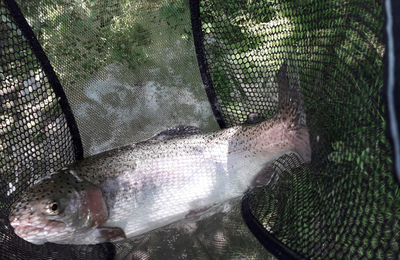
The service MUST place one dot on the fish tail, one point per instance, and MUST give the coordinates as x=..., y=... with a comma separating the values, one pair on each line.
x=291, y=110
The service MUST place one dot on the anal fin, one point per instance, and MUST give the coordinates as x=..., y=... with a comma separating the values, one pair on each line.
x=264, y=177
x=197, y=211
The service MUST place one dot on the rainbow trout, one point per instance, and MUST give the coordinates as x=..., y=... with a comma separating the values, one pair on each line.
x=129, y=191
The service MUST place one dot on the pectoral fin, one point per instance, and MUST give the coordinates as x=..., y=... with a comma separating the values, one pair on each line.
x=110, y=234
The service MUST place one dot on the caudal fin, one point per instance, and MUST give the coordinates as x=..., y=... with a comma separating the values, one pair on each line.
x=291, y=110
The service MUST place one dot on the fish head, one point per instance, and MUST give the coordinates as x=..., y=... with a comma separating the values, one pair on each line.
x=57, y=208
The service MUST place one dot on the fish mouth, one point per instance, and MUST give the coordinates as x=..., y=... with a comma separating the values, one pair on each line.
x=36, y=231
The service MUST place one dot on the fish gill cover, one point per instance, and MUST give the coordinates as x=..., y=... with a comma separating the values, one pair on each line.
x=126, y=66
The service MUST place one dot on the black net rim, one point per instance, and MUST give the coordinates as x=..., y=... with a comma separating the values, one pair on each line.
x=52, y=77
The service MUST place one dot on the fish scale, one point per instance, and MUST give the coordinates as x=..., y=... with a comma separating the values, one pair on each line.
x=135, y=189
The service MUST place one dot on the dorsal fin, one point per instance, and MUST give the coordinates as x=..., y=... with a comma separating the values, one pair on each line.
x=291, y=109
x=176, y=131
x=290, y=104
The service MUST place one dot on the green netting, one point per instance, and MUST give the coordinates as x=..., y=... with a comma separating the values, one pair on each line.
x=128, y=68
x=345, y=204
x=129, y=71
x=122, y=97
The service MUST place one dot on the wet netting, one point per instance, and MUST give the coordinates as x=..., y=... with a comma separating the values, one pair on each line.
x=84, y=76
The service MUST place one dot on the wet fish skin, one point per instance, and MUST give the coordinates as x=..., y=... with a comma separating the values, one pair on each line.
x=128, y=191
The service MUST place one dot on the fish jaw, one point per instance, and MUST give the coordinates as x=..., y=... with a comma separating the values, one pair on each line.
x=33, y=230
x=81, y=210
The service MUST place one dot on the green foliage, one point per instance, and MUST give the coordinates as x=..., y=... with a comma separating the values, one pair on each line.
x=92, y=34
x=349, y=197
x=130, y=48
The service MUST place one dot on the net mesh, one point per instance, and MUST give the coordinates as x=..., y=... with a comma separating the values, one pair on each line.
x=345, y=205
x=129, y=70
x=125, y=82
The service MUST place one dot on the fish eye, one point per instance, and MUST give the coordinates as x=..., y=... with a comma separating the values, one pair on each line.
x=53, y=207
